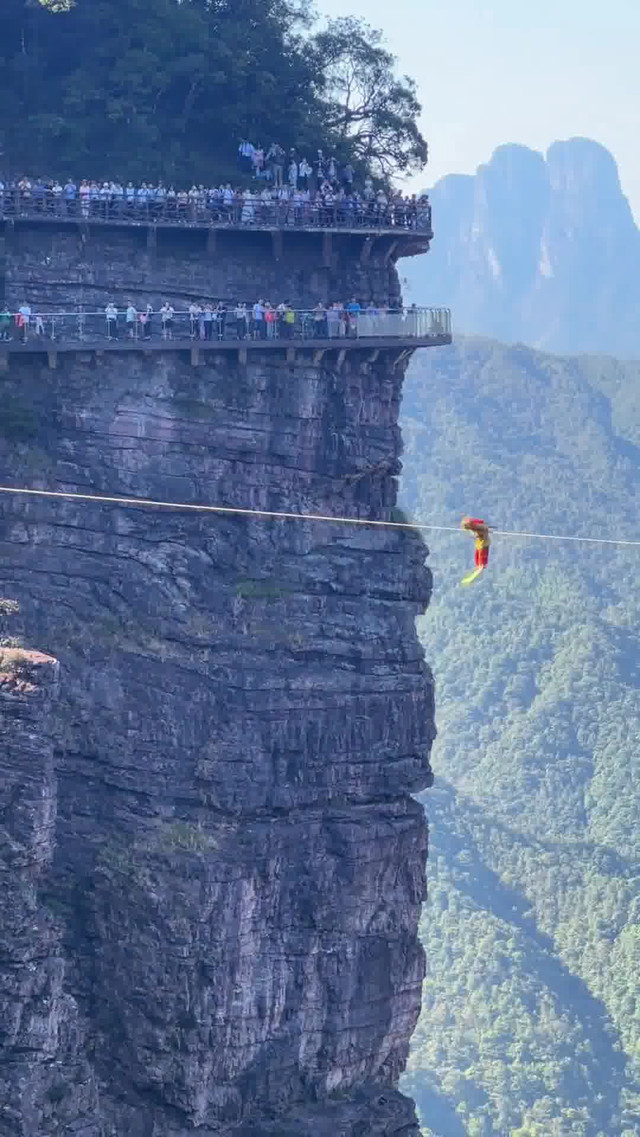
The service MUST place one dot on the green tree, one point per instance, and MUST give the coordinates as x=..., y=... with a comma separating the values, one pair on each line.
x=372, y=112
x=168, y=88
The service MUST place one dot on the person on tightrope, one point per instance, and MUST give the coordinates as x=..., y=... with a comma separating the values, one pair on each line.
x=480, y=532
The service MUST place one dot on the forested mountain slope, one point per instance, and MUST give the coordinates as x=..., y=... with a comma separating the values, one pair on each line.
x=531, y=1019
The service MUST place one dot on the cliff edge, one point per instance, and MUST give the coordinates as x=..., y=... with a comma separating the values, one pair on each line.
x=233, y=860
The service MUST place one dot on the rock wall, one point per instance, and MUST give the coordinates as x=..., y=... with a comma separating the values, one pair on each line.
x=44, y=1077
x=244, y=711
x=56, y=267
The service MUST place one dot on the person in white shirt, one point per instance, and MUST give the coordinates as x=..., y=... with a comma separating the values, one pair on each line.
x=24, y=319
x=111, y=317
x=131, y=317
x=194, y=314
x=245, y=156
x=167, y=312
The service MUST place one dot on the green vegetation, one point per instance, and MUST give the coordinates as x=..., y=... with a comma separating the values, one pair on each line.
x=531, y=1021
x=148, y=89
x=187, y=837
x=261, y=590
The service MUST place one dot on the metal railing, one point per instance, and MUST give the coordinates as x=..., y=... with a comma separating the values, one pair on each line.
x=401, y=215
x=294, y=325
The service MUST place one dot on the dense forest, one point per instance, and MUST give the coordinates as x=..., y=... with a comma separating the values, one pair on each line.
x=531, y=1020
x=148, y=89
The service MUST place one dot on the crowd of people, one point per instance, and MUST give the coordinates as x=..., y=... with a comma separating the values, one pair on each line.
x=283, y=189
x=241, y=321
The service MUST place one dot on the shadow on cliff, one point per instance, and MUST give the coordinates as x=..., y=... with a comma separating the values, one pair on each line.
x=605, y=1067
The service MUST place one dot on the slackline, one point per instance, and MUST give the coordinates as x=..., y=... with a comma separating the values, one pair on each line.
x=103, y=499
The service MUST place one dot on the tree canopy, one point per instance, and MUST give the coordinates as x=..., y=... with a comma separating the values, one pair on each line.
x=372, y=111
x=168, y=88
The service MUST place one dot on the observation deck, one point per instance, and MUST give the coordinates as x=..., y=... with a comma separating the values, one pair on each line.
x=309, y=334
x=399, y=229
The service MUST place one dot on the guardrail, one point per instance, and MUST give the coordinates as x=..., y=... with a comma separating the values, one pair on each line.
x=305, y=324
x=405, y=216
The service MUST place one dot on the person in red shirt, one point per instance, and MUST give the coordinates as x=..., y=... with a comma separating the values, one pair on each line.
x=480, y=531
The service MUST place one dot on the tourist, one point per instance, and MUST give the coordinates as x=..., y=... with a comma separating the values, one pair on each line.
x=275, y=158
x=242, y=321
x=304, y=173
x=5, y=325
x=167, y=312
x=270, y=318
x=353, y=311
x=194, y=312
x=333, y=320
x=221, y=319
x=319, y=317
x=246, y=150
x=258, y=325
x=288, y=321
x=111, y=317
x=23, y=319
x=130, y=318
x=207, y=320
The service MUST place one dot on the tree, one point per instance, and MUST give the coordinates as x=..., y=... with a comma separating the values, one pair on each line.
x=57, y=5
x=366, y=106
x=167, y=88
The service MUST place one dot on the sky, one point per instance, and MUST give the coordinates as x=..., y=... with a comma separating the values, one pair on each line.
x=496, y=71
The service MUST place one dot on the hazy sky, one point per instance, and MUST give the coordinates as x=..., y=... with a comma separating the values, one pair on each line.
x=529, y=71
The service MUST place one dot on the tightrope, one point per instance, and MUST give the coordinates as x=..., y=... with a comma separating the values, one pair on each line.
x=282, y=516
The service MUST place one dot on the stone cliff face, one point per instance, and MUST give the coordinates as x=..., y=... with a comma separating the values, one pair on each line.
x=228, y=926
x=41, y=1065
x=541, y=250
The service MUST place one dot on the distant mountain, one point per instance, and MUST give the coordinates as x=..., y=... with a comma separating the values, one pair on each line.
x=538, y=250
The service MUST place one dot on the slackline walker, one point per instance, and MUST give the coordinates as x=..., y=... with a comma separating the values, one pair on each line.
x=478, y=528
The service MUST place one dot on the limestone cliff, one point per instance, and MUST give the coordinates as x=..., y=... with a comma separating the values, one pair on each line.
x=244, y=710
x=540, y=249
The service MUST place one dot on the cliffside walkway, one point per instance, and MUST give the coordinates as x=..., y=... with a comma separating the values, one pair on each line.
x=401, y=331
x=397, y=218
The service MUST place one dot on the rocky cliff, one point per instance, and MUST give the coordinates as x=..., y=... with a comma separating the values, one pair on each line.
x=538, y=249
x=223, y=886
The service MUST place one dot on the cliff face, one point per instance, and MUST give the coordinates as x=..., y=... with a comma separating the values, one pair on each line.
x=244, y=709
x=539, y=249
x=41, y=1066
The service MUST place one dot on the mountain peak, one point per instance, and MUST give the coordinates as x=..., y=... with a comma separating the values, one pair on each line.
x=538, y=248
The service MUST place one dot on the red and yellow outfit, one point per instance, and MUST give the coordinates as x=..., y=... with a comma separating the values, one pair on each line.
x=480, y=531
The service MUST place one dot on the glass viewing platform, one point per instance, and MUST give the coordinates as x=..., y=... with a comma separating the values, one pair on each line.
x=214, y=329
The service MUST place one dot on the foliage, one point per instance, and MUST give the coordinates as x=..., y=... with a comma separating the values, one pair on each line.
x=373, y=112
x=531, y=1021
x=260, y=590
x=147, y=89
x=188, y=837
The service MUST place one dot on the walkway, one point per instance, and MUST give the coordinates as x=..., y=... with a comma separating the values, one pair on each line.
x=398, y=219
x=397, y=334
x=183, y=328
